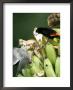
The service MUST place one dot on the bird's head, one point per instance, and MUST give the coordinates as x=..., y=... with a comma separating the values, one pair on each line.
x=34, y=32
x=37, y=36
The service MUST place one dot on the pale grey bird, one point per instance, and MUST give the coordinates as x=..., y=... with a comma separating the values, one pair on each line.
x=20, y=55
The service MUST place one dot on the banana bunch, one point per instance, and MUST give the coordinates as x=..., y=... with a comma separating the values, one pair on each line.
x=43, y=59
x=49, y=66
x=52, y=62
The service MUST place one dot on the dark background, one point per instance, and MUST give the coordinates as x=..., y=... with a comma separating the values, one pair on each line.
x=24, y=24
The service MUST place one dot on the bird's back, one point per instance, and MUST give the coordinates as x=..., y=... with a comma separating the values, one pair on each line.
x=45, y=31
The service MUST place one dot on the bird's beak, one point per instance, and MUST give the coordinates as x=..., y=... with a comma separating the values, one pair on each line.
x=55, y=34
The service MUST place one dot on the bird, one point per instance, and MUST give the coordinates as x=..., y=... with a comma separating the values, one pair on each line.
x=37, y=36
x=21, y=56
x=47, y=32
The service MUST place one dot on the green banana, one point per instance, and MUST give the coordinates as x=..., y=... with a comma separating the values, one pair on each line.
x=26, y=73
x=50, y=52
x=57, y=67
x=59, y=49
x=37, y=61
x=19, y=75
x=37, y=66
x=48, y=68
x=43, y=53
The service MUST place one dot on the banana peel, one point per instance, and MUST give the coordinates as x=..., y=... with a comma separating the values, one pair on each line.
x=48, y=68
x=51, y=53
x=37, y=66
x=57, y=67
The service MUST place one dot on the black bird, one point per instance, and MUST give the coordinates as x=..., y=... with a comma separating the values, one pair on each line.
x=48, y=32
